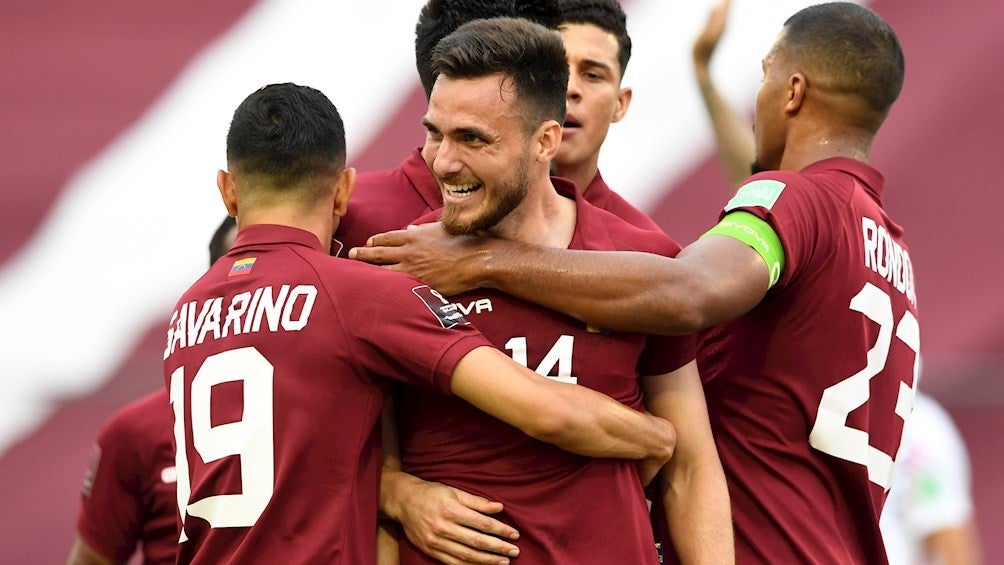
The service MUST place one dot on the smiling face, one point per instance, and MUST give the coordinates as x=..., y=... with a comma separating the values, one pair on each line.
x=595, y=98
x=478, y=148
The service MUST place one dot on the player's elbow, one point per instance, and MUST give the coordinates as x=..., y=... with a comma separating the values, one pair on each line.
x=697, y=307
x=679, y=313
x=553, y=425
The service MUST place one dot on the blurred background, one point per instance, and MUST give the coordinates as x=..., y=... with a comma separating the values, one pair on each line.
x=113, y=118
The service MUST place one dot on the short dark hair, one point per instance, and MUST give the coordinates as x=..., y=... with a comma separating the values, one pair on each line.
x=218, y=243
x=607, y=15
x=440, y=18
x=853, y=47
x=529, y=55
x=287, y=133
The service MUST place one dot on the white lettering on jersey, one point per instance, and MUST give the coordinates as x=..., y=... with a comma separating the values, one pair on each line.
x=286, y=310
x=888, y=258
x=477, y=307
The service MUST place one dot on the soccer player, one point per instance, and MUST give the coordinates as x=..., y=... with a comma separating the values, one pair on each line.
x=928, y=516
x=128, y=498
x=598, y=48
x=388, y=200
x=279, y=358
x=494, y=126
x=809, y=373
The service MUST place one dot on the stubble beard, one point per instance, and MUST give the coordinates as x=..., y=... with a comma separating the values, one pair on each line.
x=509, y=195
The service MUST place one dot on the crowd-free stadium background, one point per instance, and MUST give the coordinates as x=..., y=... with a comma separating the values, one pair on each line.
x=113, y=117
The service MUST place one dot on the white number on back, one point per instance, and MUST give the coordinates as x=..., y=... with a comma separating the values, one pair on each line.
x=249, y=438
x=830, y=433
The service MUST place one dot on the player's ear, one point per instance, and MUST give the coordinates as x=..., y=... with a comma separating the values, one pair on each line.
x=623, y=101
x=548, y=138
x=797, y=84
x=343, y=190
x=228, y=190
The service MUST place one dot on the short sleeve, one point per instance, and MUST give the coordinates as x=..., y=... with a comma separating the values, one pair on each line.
x=793, y=210
x=665, y=354
x=411, y=333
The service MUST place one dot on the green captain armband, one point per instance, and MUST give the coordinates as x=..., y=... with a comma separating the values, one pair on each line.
x=756, y=233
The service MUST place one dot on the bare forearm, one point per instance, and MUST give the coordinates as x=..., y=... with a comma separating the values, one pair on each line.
x=388, y=552
x=622, y=291
x=693, y=489
x=597, y=426
x=699, y=515
x=713, y=280
x=573, y=417
x=394, y=485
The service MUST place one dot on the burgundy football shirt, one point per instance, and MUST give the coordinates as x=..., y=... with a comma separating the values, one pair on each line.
x=808, y=392
x=129, y=497
x=278, y=361
x=568, y=508
x=599, y=194
x=387, y=200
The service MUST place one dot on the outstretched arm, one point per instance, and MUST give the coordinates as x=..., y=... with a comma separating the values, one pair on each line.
x=693, y=489
x=733, y=132
x=572, y=417
x=454, y=526
x=715, y=279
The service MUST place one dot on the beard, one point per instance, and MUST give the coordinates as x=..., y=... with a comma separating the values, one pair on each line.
x=509, y=194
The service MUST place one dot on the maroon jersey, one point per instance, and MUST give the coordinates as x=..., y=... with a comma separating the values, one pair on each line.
x=600, y=195
x=276, y=362
x=568, y=508
x=128, y=496
x=808, y=392
x=387, y=200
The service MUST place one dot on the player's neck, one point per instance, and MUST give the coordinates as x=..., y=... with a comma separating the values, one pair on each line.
x=581, y=173
x=821, y=144
x=543, y=218
x=319, y=224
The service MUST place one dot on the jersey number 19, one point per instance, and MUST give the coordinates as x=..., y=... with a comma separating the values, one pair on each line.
x=249, y=438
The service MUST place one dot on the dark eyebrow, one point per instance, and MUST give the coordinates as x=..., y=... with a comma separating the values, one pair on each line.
x=461, y=131
x=471, y=131
x=590, y=63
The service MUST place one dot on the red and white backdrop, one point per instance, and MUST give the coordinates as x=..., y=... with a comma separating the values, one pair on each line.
x=113, y=118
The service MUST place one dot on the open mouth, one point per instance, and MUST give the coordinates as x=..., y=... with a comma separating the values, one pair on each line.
x=571, y=123
x=461, y=190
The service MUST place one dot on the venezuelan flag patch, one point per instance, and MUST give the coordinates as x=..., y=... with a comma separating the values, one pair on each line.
x=242, y=267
